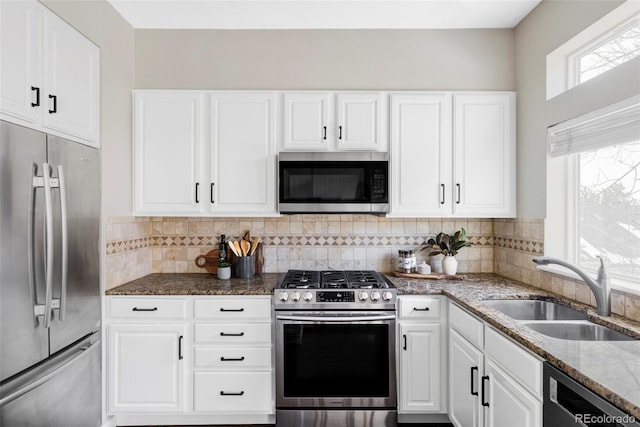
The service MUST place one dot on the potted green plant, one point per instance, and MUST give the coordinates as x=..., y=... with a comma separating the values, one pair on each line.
x=445, y=247
x=224, y=270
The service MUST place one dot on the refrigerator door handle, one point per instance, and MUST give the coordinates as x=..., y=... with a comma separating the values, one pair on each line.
x=48, y=214
x=31, y=245
x=65, y=242
x=77, y=356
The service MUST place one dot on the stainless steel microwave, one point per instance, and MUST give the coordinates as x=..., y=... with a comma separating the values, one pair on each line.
x=342, y=182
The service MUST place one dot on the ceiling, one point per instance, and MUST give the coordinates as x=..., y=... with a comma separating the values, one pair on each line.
x=323, y=14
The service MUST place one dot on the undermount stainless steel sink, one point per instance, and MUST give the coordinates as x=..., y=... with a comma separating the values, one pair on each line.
x=577, y=331
x=556, y=320
x=535, y=310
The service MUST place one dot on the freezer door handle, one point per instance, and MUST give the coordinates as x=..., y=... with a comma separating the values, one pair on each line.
x=65, y=242
x=80, y=353
x=31, y=245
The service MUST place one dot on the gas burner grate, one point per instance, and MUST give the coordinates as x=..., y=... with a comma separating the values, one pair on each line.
x=301, y=279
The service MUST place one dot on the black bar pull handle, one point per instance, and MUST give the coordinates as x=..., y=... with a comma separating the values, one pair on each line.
x=144, y=309
x=180, y=357
x=474, y=392
x=37, y=90
x=442, y=194
x=340, y=132
x=231, y=309
x=55, y=104
x=420, y=309
x=404, y=341
x=197, y=191
x=324, y=133
x=484, y=401
x=224, y=393
x=211, y=192
x=458, y=188
x=225, y=334
x=232, y=359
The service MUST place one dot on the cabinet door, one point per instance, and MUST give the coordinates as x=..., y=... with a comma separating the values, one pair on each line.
x=465, y=370
x=484, y=155
x=168, y=136
x=508, y=403
x=20, y=64
x=243, y=135
x=72, y=81
x=306, y=121
x=146, y=367
x=359, y=121
x=421, y=155
x=421, y=369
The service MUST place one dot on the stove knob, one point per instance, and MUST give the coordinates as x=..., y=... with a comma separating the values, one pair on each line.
x=283, y=296
x=295, y=296
x=386, y=295
x=307, y=296
x=375, y=296
x=363, y=296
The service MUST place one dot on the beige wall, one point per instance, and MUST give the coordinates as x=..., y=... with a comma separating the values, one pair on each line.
x=325, y=59
x=100, y=23
x=547, y=27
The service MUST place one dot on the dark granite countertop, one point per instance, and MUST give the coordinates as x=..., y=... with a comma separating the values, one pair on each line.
x=198, y=284
x=611, y=368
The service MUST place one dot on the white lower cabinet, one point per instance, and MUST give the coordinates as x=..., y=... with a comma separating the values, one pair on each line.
x=421, y=355
x=190, y=360
x=493, y=382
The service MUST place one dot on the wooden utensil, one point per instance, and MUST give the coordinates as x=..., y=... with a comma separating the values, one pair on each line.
x=254, y=245
x=233, y=248
x=244, y=245
x=238, y=249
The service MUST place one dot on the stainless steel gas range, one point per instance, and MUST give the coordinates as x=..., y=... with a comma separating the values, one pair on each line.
x=335, y=357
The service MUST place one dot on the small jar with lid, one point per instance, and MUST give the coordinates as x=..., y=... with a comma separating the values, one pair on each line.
x=407, y=262
x=414, y=261
x=400, y=261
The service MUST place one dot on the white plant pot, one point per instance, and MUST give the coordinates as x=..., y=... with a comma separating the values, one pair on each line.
x=449, y=265
x=435, y=261
x=224, y=273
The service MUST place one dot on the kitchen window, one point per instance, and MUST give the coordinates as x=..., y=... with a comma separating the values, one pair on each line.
x=606, y=44
x=601, y=151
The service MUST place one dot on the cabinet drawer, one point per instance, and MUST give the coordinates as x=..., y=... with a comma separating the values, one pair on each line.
x=468, y=326
x=419, y=307
x=147, y=308
x=233, y=309
x=232, y=392
x=515, y=360
x=232, y=333
x=232, y=358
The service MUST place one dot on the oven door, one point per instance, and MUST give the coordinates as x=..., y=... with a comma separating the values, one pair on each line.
x=335, y=359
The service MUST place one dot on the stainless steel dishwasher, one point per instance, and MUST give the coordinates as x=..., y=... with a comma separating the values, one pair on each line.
x=568, y=403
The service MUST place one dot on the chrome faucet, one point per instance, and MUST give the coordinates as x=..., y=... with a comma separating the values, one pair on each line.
x=599, y=287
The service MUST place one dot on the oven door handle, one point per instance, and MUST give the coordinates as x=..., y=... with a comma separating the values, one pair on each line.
x=336, y=318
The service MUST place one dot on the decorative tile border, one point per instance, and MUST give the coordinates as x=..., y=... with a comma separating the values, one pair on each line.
x=129, y=245
x=531, y=246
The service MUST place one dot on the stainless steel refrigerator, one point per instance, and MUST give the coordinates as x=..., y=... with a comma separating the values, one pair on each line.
x=50, y=352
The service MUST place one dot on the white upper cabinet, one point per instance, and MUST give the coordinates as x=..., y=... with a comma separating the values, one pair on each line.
x=453, y=154
x=50, y=74
x=306, y=121
x=330, y=121
x=484, y=155
x=71, y=79
x=204, y=153
x=359, y=121
x=243, y=152
x=169, y=133
x=21, y=51
x=420, y=154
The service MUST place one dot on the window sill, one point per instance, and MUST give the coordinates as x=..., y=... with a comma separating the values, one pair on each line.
x=617, y=284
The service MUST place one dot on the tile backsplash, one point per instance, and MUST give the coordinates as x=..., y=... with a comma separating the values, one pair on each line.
x=137, y=246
